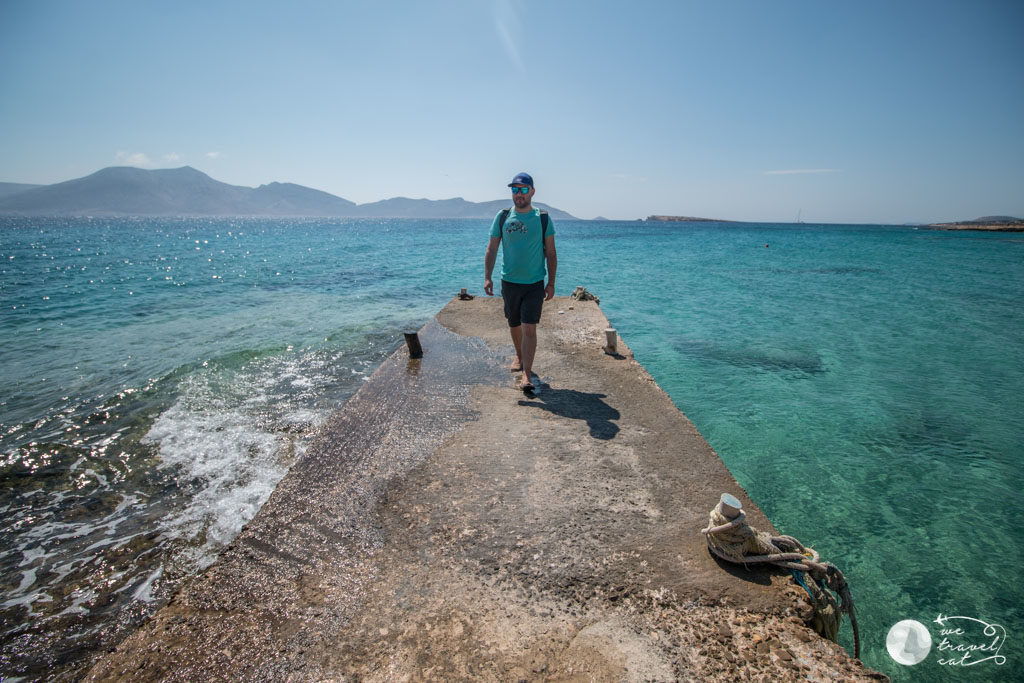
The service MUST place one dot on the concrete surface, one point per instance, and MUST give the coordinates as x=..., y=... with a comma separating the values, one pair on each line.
x=444, y=526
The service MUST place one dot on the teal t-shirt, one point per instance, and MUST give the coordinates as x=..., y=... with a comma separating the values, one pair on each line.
x=522, y=246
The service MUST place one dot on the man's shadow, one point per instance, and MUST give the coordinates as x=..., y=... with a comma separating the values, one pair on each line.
x=577, y=405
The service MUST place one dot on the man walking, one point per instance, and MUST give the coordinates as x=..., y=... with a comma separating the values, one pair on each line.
x=527, y=238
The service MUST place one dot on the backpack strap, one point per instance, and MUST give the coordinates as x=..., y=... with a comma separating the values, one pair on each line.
x=544, y=232
x=502, y=217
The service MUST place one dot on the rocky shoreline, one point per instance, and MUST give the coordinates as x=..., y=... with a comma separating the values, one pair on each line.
x=989, y=227
x=684, y=219
x=988, y=223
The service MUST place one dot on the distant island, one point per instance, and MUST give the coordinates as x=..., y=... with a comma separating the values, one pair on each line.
x=990, y=223
x=7, y=189
x=685, y=219
x=129, y=191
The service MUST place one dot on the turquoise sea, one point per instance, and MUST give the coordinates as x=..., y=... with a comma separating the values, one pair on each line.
x=159, y=376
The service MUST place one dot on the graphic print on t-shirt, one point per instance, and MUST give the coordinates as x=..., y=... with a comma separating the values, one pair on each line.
x=515, y=225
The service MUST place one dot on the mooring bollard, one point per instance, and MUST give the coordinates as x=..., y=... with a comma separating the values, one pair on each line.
x=610, y=341
x=413, y=342
x=730, y=506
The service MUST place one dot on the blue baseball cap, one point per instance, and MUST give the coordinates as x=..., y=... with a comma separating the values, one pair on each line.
x=522, y=179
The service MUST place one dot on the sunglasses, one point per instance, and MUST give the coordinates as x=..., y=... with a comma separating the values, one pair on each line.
x=524, y=190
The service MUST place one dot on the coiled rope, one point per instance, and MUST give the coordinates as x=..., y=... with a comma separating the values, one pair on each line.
x=733, y=540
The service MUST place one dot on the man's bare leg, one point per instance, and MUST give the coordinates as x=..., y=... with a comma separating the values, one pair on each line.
x=517, y=341
x=527, y=349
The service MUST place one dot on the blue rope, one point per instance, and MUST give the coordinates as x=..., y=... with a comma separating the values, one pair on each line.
x=798, y=575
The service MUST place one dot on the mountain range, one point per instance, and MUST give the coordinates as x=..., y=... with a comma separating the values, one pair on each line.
x=129, y=191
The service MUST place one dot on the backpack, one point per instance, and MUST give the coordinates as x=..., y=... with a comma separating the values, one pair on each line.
x=503, y=216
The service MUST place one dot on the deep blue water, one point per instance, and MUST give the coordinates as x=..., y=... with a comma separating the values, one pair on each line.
x=862, y=383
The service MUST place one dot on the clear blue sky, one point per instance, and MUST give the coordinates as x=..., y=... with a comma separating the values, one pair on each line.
x=870, y=111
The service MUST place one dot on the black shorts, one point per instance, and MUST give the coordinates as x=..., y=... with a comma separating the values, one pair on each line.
x=522, y=302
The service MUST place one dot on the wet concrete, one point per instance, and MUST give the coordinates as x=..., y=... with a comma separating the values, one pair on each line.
x=444, y=526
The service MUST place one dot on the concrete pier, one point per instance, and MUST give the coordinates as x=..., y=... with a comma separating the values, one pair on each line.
x=444, y=526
